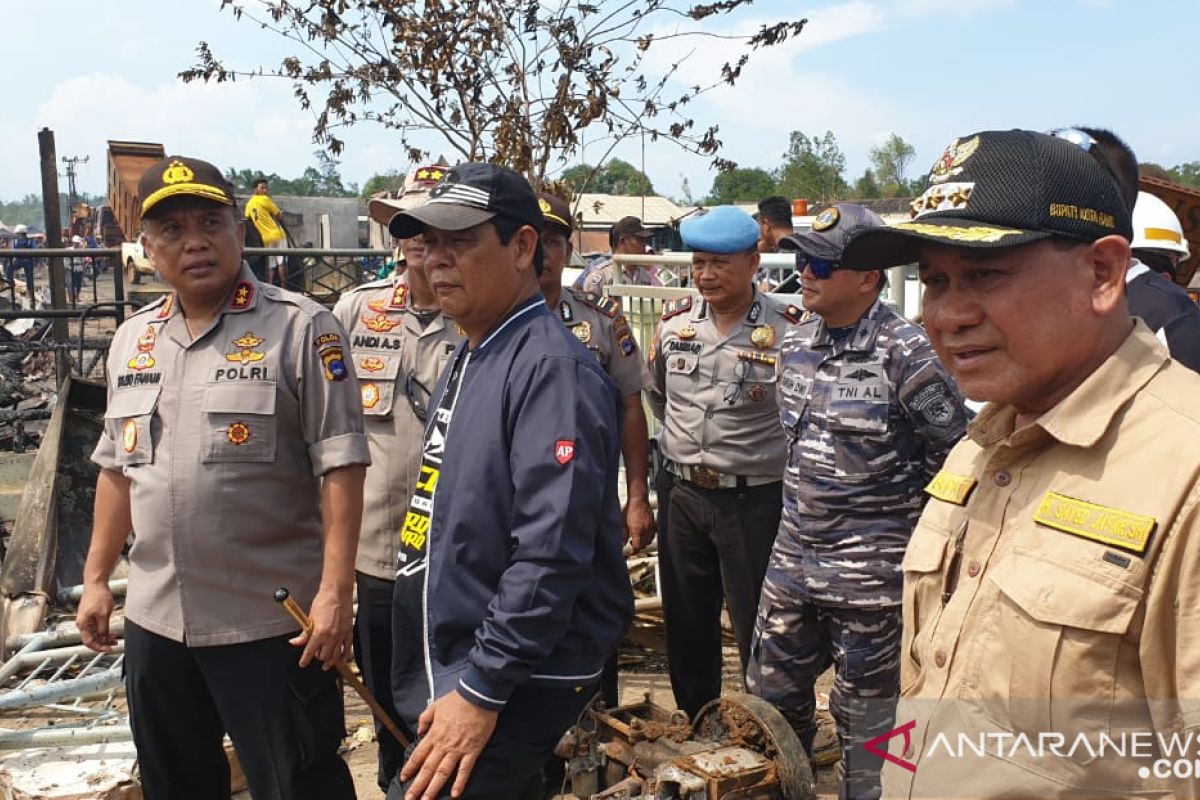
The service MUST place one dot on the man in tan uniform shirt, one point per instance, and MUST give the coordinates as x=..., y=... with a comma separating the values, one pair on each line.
x=714, y=361
x=233, y=448
x=399, y=341
x=1052, y=585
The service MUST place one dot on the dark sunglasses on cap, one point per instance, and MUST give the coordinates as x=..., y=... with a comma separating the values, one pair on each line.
x=1084, y=141
x=821, y=267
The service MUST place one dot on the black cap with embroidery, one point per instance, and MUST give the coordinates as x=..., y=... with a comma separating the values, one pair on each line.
x=177, y=176
x=470, y=194
x=998, y=189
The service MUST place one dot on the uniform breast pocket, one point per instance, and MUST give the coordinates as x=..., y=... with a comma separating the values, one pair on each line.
x=1056, y=633
x=682, y=364
x=378, y=375
x=128, y=422
x=860, y=400
x=924, y=569
x=792, y=397
x=858, y=416
x=239, y=423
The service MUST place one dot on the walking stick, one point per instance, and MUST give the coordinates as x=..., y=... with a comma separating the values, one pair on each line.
x=283, y=597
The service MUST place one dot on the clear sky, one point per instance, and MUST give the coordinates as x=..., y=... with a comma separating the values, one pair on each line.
x=928, y=70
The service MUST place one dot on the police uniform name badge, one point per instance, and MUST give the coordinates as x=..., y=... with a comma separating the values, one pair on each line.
x=1110, y=526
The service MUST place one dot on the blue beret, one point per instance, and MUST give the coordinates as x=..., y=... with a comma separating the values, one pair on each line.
x=723, y=229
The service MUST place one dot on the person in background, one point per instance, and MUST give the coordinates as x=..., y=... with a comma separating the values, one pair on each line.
x=774, y=223
x=627, y=237
x=267, y=218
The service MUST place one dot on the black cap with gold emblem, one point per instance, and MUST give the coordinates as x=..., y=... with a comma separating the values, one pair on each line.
x=176, y=176
x=998, y=189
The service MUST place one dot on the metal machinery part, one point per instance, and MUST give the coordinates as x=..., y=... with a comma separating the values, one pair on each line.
x=738, y=748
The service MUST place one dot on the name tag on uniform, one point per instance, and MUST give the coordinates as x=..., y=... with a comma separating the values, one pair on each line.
x=951, y=488
x=681, y=363
x=1110, y=526
x=793, y=385
x=861, y=383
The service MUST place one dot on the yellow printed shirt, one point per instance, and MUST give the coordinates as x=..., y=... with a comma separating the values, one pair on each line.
x=224, y=438
x=398, y=362
x=262, y=211
x=1052, y=589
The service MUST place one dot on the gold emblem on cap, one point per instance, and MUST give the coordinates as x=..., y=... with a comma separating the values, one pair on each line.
x=826, y=219
x=177, y=172
x=687, y=332
x=544, y=205
x=951, y=161
x=582, y=331
x=763, y=336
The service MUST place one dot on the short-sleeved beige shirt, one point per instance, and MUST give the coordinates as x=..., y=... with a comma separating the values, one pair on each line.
x=601, y=277
x=715, y=393
x=1074, y=604
x=398, y=363
x=599, y=325
x=224, y=438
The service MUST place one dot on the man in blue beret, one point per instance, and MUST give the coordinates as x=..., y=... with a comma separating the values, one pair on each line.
x=713, y=360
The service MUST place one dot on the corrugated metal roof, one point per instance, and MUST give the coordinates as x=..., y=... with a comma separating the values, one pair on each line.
x=602, y=210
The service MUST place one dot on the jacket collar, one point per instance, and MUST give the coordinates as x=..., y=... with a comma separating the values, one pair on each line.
x=862, y=338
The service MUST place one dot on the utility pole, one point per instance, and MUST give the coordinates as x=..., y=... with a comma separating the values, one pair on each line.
x=72, y=197
x=53, y=217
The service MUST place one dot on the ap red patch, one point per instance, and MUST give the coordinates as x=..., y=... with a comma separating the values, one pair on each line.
x=564, y=451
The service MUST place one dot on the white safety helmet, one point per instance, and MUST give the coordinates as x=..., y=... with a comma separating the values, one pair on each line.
x=20, y=229
x=1155, y=227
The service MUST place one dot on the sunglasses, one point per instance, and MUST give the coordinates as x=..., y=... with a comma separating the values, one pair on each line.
x=1084, y=141
x=821, y=267
x=414, y=390
x=734, y=390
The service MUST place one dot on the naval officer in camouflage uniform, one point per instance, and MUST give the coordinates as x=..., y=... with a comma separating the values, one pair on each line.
x=599, y=325
x=713, y=360
x=233, y=448
x=870, y=414
x=399, y=341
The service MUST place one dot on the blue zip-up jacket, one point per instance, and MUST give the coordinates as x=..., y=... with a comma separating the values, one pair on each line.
x=525, y=580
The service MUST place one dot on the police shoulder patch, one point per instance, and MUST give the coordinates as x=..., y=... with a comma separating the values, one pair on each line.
x=608, y=306
x=674, y=308
x=792, y=313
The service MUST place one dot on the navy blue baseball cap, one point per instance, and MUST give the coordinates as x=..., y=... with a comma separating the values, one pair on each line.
x=468, y=195
x=832, y=228
x=723, y=230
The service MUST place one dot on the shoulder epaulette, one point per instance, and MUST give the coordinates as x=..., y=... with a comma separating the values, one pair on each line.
x=793, y=313
x=362, y=287
x=608, y=306
x=674, y=308
x=157, y=302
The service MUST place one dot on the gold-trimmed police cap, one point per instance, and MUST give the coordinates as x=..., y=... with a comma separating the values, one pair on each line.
x=556, y=211
x=174, y=176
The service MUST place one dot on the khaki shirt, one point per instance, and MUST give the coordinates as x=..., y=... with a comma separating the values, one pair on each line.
x=599, y=325
x=1074, y=604
x=716, y=394
x=398, y=363
x=224, y=438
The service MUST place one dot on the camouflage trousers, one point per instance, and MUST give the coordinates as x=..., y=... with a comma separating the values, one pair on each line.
x=794, y=642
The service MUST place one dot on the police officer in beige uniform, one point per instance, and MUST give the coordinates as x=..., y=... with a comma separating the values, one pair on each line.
x=1052, y=586
x=714, y=363
x=233, y=448
x=599, y=325
x=399, y=340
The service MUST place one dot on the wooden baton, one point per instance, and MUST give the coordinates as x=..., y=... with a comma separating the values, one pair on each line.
x=283, y=597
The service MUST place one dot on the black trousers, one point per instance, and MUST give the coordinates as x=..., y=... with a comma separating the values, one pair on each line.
x=510, y=766
x=373, y=652
x=285, y=722
x=715, y=547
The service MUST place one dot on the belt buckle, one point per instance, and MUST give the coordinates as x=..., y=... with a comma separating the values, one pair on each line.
x=705, y=478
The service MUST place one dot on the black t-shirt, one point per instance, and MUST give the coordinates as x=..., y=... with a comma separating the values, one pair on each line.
x=1169, y=312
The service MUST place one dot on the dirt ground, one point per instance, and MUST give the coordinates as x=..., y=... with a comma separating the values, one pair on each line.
x=634, y=684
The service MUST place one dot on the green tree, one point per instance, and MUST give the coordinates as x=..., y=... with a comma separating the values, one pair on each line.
x=515, y=83
x=813, y=169
x=891, y=160
x=322, y=180
x=741, y=185
x=614, y=177
x=390, y=181
x=866, y=187
x=1186, y=174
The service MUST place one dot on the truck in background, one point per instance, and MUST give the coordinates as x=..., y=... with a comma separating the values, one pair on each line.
x=126, y=163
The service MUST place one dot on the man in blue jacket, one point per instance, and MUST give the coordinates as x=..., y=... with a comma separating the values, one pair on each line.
x=524, y=588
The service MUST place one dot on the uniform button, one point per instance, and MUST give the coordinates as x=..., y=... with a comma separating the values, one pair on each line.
x=705, y=448
x=973, y=568
x=716, y=380
x=1002, y=478
x=939, y=658
x=708, y=415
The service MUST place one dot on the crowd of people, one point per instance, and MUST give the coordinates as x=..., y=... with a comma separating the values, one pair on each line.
x=446, y=445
